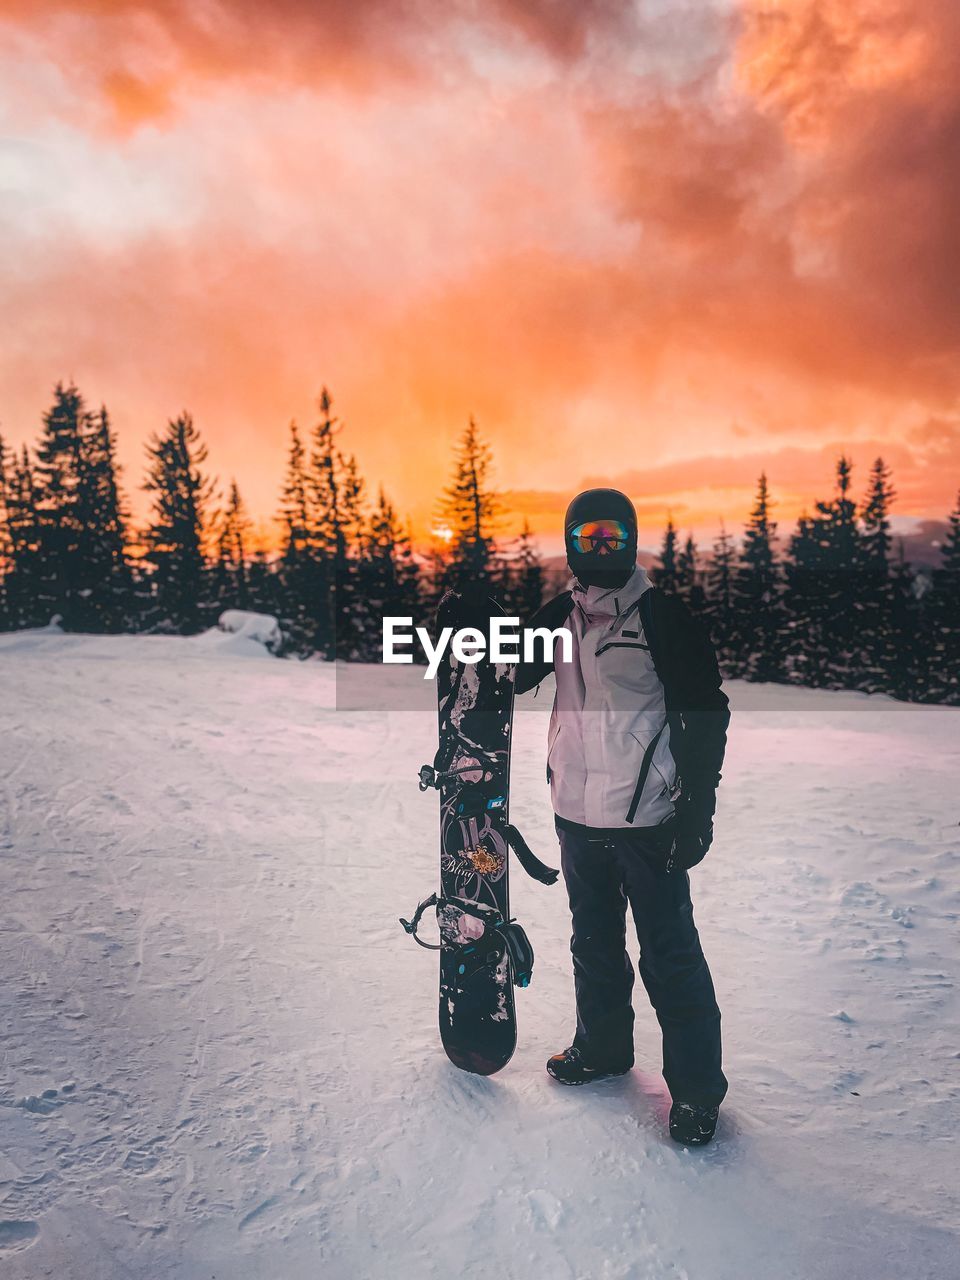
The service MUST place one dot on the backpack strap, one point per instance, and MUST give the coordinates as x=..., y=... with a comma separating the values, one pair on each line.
x=646, y=610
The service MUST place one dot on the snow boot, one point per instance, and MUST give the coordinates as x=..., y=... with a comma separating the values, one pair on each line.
x=692, y=1125
x=569, y=1067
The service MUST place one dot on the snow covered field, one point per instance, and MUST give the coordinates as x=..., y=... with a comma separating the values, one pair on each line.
x=219, y=1055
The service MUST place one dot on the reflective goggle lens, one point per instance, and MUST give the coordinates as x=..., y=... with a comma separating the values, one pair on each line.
x=600, y=536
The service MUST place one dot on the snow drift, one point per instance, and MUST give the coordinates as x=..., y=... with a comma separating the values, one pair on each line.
x=259, y=628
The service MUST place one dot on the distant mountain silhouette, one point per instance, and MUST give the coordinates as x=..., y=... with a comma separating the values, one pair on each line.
x=922, y=546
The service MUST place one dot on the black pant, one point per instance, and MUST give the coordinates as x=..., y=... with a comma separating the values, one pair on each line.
x=603, y=872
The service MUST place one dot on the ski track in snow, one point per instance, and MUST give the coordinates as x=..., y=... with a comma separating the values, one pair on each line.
x=219, y=1051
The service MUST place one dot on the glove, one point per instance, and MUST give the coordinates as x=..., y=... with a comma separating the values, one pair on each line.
x=693, y=836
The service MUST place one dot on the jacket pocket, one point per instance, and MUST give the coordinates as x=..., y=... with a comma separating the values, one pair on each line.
x=671, y=789
x=644, y=772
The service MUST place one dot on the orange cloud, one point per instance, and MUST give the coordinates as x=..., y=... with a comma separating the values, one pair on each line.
x=140, y=58
x=671, y=248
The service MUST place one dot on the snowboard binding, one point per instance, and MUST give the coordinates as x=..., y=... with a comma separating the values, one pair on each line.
x=431, y=776
x=499, y=937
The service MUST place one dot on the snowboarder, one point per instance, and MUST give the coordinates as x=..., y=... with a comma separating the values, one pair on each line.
x=636, y=741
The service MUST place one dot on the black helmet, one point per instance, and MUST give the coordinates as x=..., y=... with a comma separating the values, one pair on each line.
x=600, y=533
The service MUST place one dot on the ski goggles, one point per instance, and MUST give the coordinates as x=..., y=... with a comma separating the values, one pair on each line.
x=600, y=536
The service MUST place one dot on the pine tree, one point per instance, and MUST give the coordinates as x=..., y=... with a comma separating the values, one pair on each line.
x=295, y=503
x=388, y=578
x=840, y=518
x=686, y=566
x=65, y=503
x=25, y=577
x=529, y=571
x=263, y=586
x=950, y=554
x=232, y=570
x=667, y=575
x=354, y=503
x=470, y=508
x=758, y=555
x=328, y=539
x=6, y=545
x=757, y=598
x=688, y=584
x=182, y=493
x=878, y=650
x=840, y=562
x=110, y=602
x=876, y=541
x=411, y=596
x=823, y=596
x=339, y=531
x=520, y=575
x=323, y=513
x=944, y=641
x=720, y=609
x=297, y=571
x=326, y=467
x=911, y=675
x=357, y=628
x=804, y=650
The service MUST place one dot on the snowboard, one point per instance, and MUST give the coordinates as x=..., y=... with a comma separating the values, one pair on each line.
x=483, y=953
x=478, y=1024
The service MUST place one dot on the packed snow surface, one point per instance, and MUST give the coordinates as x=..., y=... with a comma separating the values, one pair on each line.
x=219, y=1050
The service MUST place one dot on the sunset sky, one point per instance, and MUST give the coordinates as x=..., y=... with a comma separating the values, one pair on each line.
x=658, y=245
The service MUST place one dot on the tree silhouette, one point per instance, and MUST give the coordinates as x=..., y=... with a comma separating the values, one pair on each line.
x=388, y=577
x=876, y=541
x=326, y=466
x=757, y=593
x=232, y=570
x=295, y=503
x=840, y=608
x=687, y=583
x=667, y=575
x=328, y=534
x=841, y=558
x=182, y=493
x=65, y=502
x=803, y=651
x=471, y=509
x=945, y=611
x=110, y=600
x=7, y=562
x=521, y=576
x=876, y=634
x=25, y=577
x=299, y=581
x=719, y=606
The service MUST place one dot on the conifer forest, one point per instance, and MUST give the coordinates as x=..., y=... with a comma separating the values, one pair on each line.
x=832, y=602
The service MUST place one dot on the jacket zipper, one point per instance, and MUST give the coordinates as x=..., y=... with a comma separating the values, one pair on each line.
x=644, y=772
x=621, y=644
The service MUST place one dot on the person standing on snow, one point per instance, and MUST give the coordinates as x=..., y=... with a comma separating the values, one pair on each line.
x=636, y=741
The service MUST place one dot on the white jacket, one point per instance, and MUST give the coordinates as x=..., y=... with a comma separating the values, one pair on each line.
x=608, y=712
